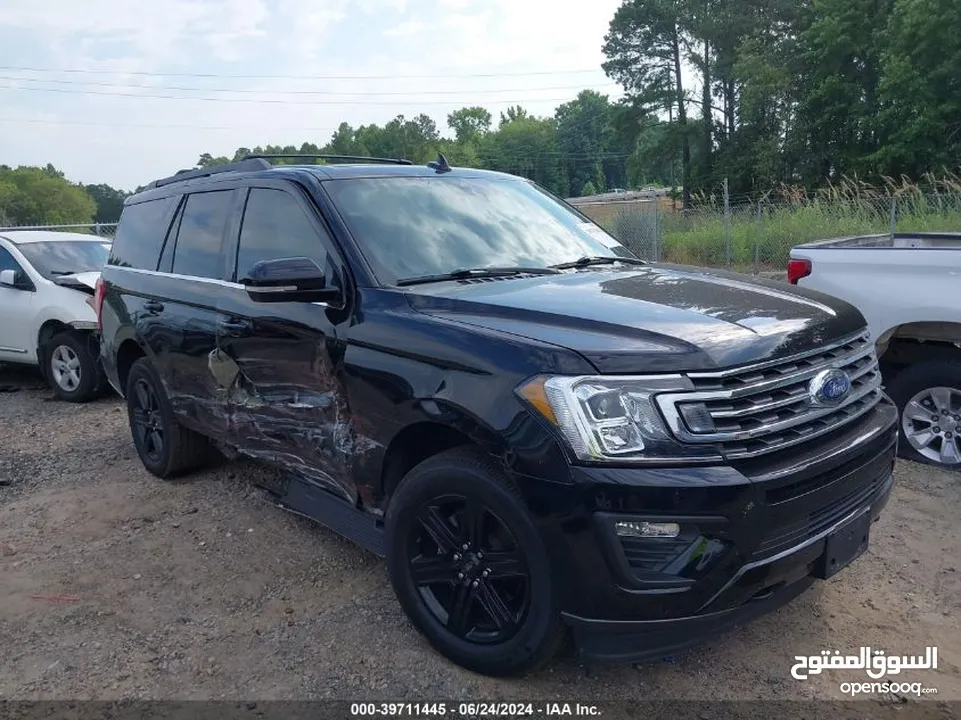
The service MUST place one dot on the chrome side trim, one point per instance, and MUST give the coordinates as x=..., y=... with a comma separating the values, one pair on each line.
x=194, y=278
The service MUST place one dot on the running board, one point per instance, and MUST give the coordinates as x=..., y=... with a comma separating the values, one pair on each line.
x=314, y=503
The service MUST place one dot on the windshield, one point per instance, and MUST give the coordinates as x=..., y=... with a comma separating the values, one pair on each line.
x=417, y=226
x=65, y=257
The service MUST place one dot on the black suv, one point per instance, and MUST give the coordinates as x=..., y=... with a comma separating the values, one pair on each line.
x=462, y=373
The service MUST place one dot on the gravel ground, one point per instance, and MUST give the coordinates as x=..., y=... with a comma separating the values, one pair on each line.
x=118, y=585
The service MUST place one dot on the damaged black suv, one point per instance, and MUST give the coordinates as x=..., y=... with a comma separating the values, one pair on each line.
x=542, y=433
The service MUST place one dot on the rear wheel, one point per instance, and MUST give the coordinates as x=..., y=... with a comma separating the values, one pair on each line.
x=166, y=448
x=469, y=568
x=928, y=395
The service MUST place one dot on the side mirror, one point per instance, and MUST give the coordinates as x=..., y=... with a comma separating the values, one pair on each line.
x=15, y=279
x=297, y=279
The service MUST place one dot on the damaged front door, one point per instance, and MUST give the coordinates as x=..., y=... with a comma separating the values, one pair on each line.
x=277, y=360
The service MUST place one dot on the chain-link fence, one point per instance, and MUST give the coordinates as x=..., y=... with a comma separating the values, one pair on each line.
x=757, y=237
x=748, y=236
x=104, y=230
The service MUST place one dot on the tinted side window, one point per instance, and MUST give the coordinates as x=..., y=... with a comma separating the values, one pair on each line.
x=7, y=262
x=141, y=233
x=275, y=226
x=198, y=251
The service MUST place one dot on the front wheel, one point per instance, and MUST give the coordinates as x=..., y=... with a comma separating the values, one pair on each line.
x=72, y=368
x=469, y=567
x=928, y=395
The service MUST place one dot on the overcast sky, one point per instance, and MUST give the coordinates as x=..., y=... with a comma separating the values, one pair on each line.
x=65, y=66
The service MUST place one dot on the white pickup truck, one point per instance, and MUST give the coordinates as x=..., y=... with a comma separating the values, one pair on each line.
x=908, y=287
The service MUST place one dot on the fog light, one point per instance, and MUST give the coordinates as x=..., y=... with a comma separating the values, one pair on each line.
x=647, y=529
x=697, y=417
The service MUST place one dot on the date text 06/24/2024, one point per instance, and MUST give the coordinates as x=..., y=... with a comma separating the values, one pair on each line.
x=472, y=709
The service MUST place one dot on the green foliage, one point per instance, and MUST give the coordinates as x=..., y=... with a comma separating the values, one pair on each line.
x=42, y=196
x=109, y=202
x=588, y=189
x=469, y=123
x=800, y=93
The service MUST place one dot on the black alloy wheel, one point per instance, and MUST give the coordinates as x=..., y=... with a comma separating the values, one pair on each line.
x=146, y=421
x=470, y=567
x=469, y=570
x=165, y=447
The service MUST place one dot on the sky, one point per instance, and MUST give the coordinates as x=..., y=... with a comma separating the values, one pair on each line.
x=125, y=91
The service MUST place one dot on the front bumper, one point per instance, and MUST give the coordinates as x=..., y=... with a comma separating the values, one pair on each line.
x=756, y=538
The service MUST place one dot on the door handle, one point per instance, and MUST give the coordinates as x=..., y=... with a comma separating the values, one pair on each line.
x=152, y=306
x=235, y=327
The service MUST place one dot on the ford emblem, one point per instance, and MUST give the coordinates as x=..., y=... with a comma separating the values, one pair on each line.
x=829, y=387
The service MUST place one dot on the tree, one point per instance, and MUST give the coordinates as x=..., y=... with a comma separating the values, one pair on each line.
x=584, y=136
x=469, y=123
x=920, y=89
x=109, y=202
x=644, y=54
x=526, y=146
x=42, y=196
x=208, y=160
x=588, y=189
x=839, y=49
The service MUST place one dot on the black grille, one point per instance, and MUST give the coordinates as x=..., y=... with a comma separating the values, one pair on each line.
x=819, y=520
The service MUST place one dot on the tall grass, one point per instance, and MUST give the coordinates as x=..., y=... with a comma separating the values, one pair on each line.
x=762, y=232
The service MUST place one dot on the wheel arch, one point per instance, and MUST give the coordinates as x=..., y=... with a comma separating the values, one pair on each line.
x=128, y=353
x=915, y=342
x=417, y=442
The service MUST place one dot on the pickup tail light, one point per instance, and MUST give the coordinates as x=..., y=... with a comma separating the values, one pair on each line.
x=97, y=302
x=797, y=269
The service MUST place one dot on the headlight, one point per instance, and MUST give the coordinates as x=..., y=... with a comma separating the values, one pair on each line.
x=612, y=419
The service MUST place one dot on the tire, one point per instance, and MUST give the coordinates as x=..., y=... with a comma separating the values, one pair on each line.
x=923, y=392
x=519, y=584
x=151, y=418
x=72, y=368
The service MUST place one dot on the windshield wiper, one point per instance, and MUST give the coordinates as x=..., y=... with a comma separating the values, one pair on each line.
x=598, y=260
x=467, y=273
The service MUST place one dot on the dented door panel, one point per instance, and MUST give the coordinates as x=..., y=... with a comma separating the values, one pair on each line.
x=279, y=378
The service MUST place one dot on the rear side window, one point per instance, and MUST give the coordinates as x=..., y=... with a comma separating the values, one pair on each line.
x=275, y=226
x=199, y=242
x=141, y=233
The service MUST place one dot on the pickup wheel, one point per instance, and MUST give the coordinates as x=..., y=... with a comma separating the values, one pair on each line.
x=928, y=396
x=72, y=368
x=470, y=568
x=166, y=448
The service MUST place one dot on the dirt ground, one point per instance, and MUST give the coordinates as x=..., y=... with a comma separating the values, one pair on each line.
x=202, y=589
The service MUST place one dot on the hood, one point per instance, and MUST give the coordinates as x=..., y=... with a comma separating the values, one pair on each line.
x=648, y=319
x=79, y=281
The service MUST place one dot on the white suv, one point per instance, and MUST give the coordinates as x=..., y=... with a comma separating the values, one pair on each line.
x=47, y=281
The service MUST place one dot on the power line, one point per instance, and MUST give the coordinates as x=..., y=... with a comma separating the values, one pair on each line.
x=144, y=73
x=265, y=101
x=98, y=123
x=289, y=92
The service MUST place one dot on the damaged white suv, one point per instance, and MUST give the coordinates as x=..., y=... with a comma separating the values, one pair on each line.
x=47, y=281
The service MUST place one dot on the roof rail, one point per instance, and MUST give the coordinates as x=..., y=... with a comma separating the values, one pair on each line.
x=348, y=158
x=190, y=174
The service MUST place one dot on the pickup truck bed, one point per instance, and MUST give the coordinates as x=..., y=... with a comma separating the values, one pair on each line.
x=908, y=287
